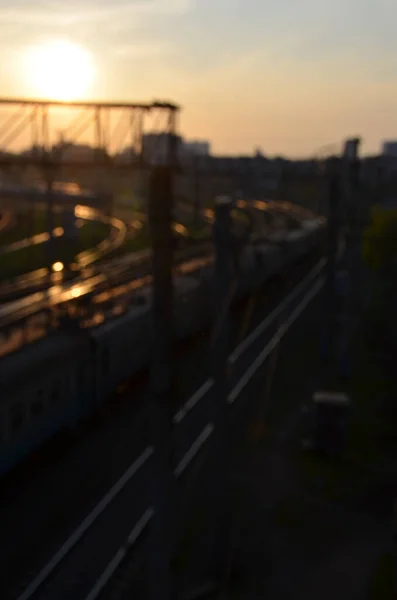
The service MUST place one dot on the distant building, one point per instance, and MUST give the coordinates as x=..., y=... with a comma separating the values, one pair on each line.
x=351, y=148
x=194, y=155
x=390, y=148
x=255, y=176
x=127, y=156
x=155, y=147
x=74, y=152
x=388, y=160
x=195, y=148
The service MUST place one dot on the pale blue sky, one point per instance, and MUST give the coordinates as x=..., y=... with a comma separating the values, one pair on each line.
x=287, y=75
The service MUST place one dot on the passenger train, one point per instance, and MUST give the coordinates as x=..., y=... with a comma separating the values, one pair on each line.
x=67, y=376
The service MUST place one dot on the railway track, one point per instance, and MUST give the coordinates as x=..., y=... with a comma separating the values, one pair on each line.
x=131, y=444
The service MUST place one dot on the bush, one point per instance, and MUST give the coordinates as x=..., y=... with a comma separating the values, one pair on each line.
x=380, y=240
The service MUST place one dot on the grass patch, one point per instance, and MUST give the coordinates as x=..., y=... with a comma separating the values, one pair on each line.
x=43, y=255
x=200, y=233
x=302, y=522
x=365, y=463
x=383, y=581
x=285, y=386
x=91, y=234
x=299, y=358
x=28, y=224
x=288, y=514
x=191, y=533
x=332, y=478
x=138, y=242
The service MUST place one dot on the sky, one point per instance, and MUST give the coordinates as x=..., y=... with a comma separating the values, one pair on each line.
x=286, y=76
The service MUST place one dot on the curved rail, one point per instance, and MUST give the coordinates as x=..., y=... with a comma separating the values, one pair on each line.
x=108, y=245
x=81, y=212
x=39, y=277
x=17, y=310
x=82, y=286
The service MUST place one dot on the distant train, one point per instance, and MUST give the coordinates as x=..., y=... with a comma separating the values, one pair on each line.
x=62, y=379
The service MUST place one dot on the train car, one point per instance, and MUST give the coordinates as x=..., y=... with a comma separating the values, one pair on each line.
x=49, y=396
x=68, y=375
x=121, y=347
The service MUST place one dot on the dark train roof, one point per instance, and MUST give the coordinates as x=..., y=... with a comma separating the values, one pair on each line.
x=20, y=369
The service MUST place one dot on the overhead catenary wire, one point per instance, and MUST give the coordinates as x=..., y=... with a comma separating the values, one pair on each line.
x=262, y=408
x=260, y=420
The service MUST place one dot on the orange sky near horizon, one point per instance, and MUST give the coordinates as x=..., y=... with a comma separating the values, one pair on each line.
x=288, y=79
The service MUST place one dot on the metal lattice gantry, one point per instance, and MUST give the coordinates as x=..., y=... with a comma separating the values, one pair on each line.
x=41, y=133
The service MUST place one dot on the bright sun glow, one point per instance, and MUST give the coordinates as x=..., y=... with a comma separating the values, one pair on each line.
x=60, y=70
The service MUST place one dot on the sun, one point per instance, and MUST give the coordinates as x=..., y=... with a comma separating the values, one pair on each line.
x=60, y=70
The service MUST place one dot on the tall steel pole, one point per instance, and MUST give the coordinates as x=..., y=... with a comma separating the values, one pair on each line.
x=223, y=294
x=224, y=268
x=353, y=223
x=50, y=216
x=160, y=211
x=196, y=190
x=333, y=172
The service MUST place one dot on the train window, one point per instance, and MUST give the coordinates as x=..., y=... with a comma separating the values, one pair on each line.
x=16, y=417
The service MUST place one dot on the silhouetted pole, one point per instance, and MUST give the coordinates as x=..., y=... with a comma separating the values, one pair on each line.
x=196, y=190
x=31, y=226
x=224, y=290
x=353, y=220
x=222, y=233
x=355, y=223
x=160, y=220
x=333, y=172
x=110, y=202
x=50, y=218
x=160, y=225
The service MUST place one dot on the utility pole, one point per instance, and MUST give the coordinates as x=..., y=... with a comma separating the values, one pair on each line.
x=224, y=290
x=196, y=190
x=333, y=176
x=50, y=216
x=343, y=183
x=160, y=211
x=353, y=222
x=224, y=268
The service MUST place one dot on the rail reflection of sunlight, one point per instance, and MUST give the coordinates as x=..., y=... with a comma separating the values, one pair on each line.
x=57, y=272
x=57, y=267
x=83, y=212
